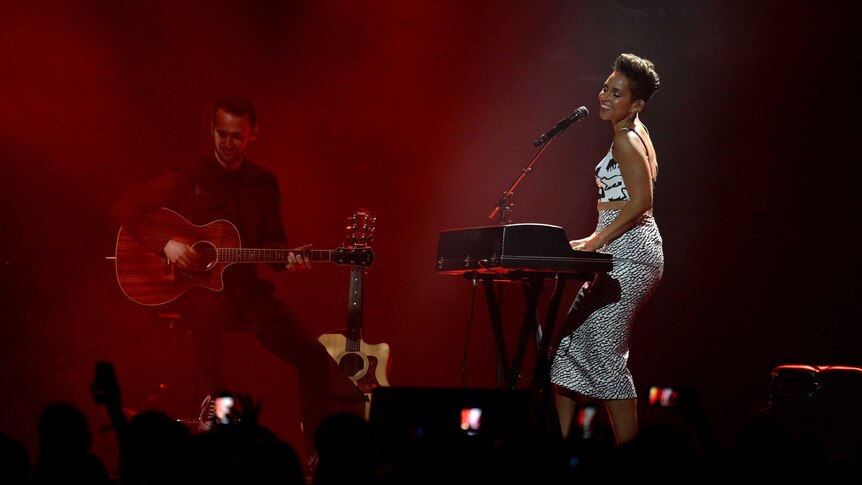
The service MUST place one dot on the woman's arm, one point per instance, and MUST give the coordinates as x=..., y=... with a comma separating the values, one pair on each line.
x=629, y=153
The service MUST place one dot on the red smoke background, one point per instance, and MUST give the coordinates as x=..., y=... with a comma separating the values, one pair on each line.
x=424, y=113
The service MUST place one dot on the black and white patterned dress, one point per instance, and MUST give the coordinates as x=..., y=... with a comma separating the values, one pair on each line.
x=591, y=356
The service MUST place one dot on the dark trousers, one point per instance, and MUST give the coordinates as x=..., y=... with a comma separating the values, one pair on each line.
x=323, y=387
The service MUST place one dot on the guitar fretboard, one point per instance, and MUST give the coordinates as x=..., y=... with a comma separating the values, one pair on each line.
x=243, y=255
x=354, y=309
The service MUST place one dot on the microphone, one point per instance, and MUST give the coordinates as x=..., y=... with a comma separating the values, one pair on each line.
x=562, y=125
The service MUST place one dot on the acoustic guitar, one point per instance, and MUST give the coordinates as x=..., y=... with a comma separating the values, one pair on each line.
x=148, y=278
x=367, y=365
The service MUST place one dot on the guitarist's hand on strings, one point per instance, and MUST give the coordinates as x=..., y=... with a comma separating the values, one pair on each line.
x=183, y=255
x=300, y=260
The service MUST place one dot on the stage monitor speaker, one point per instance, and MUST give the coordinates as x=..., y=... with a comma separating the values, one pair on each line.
x=404, y=419
x=820, y=403
x=807, y=385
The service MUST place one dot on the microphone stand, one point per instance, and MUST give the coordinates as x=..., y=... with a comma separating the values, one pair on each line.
x=503, y=206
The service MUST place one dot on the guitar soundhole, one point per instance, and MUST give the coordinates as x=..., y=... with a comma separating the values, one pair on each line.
x=353, y=365
x=209, y=252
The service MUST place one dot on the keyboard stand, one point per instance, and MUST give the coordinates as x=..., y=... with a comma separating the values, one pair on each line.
x=509, y=374
x=532, y=283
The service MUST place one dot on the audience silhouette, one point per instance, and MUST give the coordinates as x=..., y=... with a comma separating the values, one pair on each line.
x=675, y=444
x=64, y=448
x=14, y=460
x=152, y=447
x=156, y=449
x=344, y=446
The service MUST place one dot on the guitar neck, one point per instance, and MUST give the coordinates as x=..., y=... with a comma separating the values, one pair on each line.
x=354, y=308
x=247, y=255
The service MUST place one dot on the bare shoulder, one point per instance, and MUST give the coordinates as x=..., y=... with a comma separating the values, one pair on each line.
x=635, y=141
x=644, y=133
x=628, y=146
x=653, y=153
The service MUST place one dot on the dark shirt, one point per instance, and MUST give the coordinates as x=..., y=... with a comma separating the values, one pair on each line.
x=202, y=192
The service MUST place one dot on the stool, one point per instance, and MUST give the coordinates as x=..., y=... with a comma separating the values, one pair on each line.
x=174, y=321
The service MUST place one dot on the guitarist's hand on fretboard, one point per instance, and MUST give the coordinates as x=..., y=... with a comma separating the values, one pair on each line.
x=298, y=260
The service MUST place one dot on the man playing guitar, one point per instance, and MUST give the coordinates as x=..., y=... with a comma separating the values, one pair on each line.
x=226, y=185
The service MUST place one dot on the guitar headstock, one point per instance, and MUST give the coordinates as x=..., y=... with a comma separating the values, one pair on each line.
x=360, y=229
